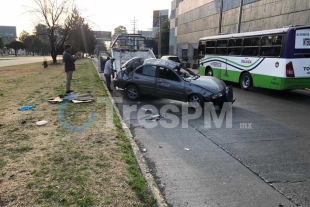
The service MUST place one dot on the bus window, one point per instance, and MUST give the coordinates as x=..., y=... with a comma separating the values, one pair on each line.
x=250, y=51
x=270, y=51
x=234, y=51
x=221, y=47
x=234, y=46
x=235, y=43
x=211, y=43
x=272, y=40
x=271, y=45
x=210, y=49
x=251, y=46
x=250, y=42
x=221, y=43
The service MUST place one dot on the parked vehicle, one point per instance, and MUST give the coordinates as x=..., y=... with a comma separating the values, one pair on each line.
x=171, y=57
x=166, y=79
x=127, y=46
x=274, y=59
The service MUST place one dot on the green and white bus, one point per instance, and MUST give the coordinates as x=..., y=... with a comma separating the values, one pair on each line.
x=276, y=59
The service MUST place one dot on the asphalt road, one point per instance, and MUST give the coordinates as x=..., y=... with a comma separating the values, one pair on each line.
x=262, y=160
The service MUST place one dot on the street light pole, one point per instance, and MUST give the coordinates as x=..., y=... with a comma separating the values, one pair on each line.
x=240, y=16
x=159, y=37
x=221, y=15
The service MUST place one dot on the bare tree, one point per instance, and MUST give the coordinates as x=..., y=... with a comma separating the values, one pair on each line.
x=53, y=14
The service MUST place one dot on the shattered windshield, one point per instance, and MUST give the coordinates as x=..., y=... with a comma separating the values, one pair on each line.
x=186, y=74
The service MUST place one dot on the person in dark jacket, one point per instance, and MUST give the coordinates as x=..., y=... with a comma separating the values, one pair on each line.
x=69, y=62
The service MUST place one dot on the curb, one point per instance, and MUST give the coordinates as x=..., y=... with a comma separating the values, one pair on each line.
x=160, y=200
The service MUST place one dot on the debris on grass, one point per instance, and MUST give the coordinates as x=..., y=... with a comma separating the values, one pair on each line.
x=40, y=123
x=74, y=97
x=26, y=108
x=55, y=100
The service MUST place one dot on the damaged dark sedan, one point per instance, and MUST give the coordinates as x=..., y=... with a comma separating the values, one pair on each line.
x=166, y=79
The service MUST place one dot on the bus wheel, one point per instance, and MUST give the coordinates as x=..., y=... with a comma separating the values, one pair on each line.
x=246, y=81
x=209, y=72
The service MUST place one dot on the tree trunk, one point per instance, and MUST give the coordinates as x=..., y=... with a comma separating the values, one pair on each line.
x=54, y=56
x=54, y=51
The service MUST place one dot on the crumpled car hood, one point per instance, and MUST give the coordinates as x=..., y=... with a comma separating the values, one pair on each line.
x=212, y=84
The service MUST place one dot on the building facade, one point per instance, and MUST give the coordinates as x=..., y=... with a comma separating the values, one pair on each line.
x=193, y=19
x=159, y=15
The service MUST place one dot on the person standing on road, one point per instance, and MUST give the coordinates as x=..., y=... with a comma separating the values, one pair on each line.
x=69, y=62
x=108, y=70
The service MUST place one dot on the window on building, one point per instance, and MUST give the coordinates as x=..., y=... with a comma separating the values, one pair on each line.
x=195, y=55
x=184, y=53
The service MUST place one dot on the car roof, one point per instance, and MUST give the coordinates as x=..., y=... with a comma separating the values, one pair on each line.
x=161, y=62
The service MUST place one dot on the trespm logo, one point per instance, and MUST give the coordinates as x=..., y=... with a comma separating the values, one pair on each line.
x=306, y=41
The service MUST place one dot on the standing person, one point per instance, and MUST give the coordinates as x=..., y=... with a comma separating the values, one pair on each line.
x=69, y=60
x=108, y=70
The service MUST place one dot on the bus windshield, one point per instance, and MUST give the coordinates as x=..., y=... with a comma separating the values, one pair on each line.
x=302, y=42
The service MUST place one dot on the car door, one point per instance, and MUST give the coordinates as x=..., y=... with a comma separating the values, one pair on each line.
x=145, y=78
x=169, y=84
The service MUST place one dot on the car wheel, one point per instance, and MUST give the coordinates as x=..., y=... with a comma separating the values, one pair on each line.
x=195, y=101
x=132, y=92
x=246, y=81
x=209, y=72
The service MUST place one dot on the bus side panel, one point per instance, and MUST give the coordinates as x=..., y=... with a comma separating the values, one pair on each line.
x=232, y=68
x=301, y=67
x=216, y=71
x=280, y=83
x=271, y=82
x=272, y=74
x=202, y=70
x=230, y=75
x=220, y=68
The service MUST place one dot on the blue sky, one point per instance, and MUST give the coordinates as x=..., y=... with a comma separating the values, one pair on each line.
x=101, y=14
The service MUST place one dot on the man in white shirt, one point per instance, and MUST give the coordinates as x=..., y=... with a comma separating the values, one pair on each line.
x=108, y=70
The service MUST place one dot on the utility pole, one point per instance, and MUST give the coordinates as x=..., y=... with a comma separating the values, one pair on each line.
x=240, y=16
x=134, y=22
x=159, y=36
x=221, y=15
